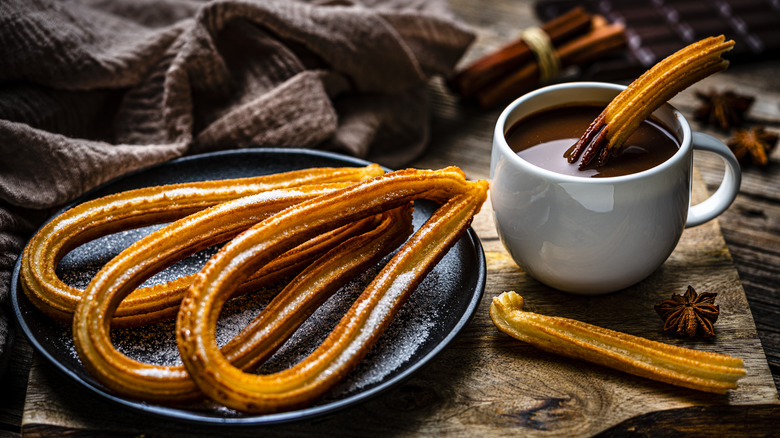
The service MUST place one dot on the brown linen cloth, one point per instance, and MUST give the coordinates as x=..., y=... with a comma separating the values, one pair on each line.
x=92, y=89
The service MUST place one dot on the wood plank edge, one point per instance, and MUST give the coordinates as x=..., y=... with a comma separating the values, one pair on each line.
x=723, y=421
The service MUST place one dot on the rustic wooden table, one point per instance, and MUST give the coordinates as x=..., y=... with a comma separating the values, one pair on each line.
x=486, y=383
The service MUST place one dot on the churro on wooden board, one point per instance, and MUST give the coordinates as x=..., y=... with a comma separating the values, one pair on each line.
x=700, y=370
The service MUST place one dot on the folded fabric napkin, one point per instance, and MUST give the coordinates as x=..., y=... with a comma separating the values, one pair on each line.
x=92, y=89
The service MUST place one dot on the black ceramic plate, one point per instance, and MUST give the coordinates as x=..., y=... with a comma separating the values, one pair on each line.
x=434, y=314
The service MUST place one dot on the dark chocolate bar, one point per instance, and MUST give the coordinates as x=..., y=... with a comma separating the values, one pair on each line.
x=658, y=28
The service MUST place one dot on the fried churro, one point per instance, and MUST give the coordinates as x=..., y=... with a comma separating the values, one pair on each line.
x=326, y=232
x=172, y=384
x=699, y=370
x=644, y=95
x=359, y=329
x=137, y=208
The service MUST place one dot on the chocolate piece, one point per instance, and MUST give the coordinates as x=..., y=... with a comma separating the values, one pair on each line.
x=657, y=29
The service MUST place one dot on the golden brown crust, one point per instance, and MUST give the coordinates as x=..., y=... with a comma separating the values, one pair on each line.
x=286, y=230
x=136, y=208
x=366, y=319
x=307, y=291
x=703, y=371
x=645, y=94
x=316, y=216
x=271, y=327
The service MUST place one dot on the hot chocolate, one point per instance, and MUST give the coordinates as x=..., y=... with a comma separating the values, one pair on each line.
x=546, y=138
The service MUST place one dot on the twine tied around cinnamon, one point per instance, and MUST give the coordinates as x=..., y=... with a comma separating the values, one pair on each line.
x=543, y=50
x=575, y=38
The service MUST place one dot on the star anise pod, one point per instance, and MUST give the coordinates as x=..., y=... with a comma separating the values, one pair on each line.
x=724, y=110
x=689, y=315
x=755, y=143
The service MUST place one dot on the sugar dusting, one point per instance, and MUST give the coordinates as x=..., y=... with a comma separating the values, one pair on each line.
x=414, y=331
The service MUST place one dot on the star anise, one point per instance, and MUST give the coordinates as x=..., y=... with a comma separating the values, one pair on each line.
x=690, y=315
x=755, y=143
x=724, y=110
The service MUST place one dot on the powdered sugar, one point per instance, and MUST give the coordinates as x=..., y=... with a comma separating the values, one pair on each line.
x=413, y=333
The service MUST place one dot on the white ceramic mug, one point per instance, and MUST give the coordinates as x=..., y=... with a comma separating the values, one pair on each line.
x=598, y=235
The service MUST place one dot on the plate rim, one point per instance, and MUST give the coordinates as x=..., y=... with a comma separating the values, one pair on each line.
x=191, y=417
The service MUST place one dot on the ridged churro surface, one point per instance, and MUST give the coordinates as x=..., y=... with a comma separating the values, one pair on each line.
x=700, y=370
x=359, y=329
x=137, y=208
x=323, y=228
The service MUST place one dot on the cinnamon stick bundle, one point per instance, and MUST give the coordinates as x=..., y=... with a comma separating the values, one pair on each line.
x=577, y=38
x=517, y=54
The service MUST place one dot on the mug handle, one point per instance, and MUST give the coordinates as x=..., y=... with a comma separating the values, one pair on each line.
x=729, y=187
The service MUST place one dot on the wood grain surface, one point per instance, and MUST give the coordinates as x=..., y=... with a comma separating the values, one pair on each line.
x=487, y=384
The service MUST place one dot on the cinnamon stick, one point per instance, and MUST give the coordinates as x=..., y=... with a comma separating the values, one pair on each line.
x=492, y=67
x=604, y=39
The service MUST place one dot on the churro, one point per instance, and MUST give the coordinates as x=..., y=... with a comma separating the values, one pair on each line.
x=172, y=384
x=326, y=228
x=359, y=329
x=137, y=208
x=699, y=370
x=644, y=95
